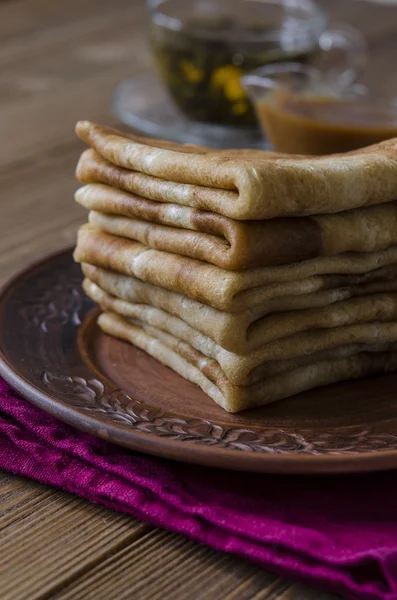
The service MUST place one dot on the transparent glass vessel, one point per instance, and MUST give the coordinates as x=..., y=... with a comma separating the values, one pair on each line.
x=203, y=47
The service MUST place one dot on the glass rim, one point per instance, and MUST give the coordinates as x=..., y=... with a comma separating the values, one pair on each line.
x=314, y=12
x=295, y=68
x=354, y=91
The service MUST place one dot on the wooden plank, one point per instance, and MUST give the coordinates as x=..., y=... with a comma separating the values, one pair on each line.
x=28, y=19
x=164, y=563
x=57, y=114
x=33, y=123
x=300, y=592
x=161, y=565
x=40, y=199
x=100, y=29
x=48, y=537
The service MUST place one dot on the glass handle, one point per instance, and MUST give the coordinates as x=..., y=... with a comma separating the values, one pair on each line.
x=350, y=48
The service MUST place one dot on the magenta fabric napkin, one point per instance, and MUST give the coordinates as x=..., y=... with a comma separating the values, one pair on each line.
x=335, y=533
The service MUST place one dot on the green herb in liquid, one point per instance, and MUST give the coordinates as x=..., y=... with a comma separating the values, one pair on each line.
x=203, y=73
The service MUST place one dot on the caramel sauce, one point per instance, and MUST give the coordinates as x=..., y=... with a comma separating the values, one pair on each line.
x=318, y=125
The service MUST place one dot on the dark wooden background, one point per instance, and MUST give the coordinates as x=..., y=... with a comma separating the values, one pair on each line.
x=60, y=62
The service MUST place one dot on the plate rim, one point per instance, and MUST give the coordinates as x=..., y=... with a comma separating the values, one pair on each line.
x=150, y=443
x=189, y=130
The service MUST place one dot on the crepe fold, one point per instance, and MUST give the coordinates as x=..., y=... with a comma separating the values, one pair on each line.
x=251, y=329
x=272, y=358
x=231, y=244
x=195, y=367
x=247, y=184
x=231, y=291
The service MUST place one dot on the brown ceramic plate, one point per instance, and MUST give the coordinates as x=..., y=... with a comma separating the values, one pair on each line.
x=52, y=351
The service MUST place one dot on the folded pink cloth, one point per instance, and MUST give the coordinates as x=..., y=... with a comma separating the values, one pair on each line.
x=336, y=533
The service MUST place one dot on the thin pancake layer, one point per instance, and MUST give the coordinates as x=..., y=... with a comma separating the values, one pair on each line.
x=247, y=184
x=231, y=244
x=376, y=307
x=213, y=238
x=231, y=291
x=192, y=365
x=232, y=331
x=254, y=366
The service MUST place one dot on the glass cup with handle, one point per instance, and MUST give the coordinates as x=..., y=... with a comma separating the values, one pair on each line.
x=203, y=47
x=307, y=110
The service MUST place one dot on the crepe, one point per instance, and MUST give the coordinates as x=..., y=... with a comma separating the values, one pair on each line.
x=238, y=336
x=199, y=234
x=246, y=369
x=232, y=331
x=232, y=244
x=231, y=291
x=248, y=184
x=193, y=366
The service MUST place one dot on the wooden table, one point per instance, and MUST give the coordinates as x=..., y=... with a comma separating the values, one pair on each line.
x=59, y=62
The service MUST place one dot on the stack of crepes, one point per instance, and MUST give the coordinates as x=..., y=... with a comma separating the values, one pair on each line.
x=254, y=275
